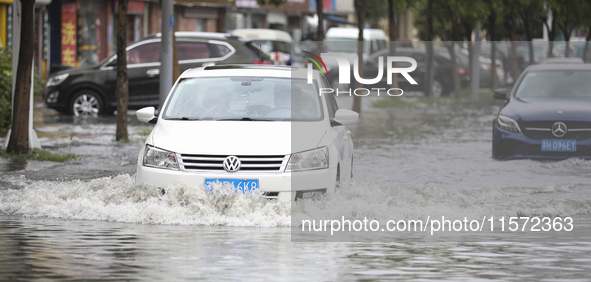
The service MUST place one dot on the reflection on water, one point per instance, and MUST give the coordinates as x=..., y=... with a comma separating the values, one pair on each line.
x=45, y=248
x=12, y=164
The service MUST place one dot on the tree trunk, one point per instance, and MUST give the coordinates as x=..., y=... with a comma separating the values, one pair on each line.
x=551, y=28
x=122, y=90
x=493, y=50
x=320, y=27
x=454, y=66
x=567, y=31
x=528, y=36
x=429, y=44
x=513, y=52
x=392, y=35
x=493, y=66
x=360, y=12
x=19, y=137
x=586, y=46
x=532, y=57
x=470, y=59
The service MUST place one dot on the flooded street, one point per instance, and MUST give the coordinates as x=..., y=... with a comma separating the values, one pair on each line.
x=86, y=219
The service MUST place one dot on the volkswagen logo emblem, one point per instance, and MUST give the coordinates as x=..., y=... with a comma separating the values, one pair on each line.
x=231, y=164
x=559, y=129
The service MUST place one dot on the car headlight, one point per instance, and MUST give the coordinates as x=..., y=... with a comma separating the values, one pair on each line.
x=508, y=123
x=55, y=80
x=159, y=158
x=308, y=160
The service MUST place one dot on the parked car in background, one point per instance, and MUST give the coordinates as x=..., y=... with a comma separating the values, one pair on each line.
x=343, y=41
x=547, y=115
x=442, y=78
x=562, y=61
x=463, y=60
x=276, y=43
x=91, y=90
x=258, y=128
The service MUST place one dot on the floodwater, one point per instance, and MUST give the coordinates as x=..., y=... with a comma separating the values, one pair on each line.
x=86, y=219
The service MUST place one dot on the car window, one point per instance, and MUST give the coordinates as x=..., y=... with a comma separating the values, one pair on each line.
x=146, y=53
x=382, y=44
x=420, y=58
x=193, y=50
x=256, y=52
x=555, y=84
x=244, y=98
x=220, y=50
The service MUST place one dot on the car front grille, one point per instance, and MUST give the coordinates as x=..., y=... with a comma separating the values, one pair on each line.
x=267, y=163
x=543, y=130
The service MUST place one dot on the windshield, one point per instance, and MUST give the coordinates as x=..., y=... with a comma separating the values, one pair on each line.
x=273, y=46
x=244, y=98
x=346, y=45
x=555, y=84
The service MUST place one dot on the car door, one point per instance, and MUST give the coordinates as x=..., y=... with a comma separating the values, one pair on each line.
x=418, y=74
x=342, y=136
x=371, y=69
x=143, y=72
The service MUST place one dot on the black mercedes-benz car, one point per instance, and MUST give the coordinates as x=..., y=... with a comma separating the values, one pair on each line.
x=547, y=115
x=91, y=90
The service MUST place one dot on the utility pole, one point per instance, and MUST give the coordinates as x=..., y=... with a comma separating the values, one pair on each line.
x=166, y=50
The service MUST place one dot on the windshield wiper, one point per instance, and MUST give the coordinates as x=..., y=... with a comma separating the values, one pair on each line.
x=182, y=118
x=245, y=119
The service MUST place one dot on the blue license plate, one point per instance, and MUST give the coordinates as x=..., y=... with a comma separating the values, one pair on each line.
x=240, y=185
x=559, y=145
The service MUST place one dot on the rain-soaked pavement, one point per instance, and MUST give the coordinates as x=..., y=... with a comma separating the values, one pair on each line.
x=86, y=219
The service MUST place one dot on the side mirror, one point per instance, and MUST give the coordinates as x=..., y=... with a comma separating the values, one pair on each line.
x=146, y=115
x=500, y=94
x=344, y=116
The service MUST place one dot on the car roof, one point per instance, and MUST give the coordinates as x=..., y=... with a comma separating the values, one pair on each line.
x=347, y=32
x=562, y=61
x=247, y=70
x=194, y=34
x=262, y=34
x=561, y=66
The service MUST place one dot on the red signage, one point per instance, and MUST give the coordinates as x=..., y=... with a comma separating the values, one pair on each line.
x=135, y=7
x=69, y=34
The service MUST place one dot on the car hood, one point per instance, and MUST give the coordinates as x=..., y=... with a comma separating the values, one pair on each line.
x=548, y=109
x=79, y=70
x=236, y=137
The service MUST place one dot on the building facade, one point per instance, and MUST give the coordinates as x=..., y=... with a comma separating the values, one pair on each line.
x=81, y=33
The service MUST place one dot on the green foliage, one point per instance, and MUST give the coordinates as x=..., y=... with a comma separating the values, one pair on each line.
x=453, y=20
x=40, y=156
x=375, y=11
x=6, y=87
x=275, y=3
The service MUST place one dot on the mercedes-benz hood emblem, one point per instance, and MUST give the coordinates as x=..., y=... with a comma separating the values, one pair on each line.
x=559, y=129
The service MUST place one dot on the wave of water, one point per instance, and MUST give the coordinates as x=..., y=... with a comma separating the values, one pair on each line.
x=119, y=199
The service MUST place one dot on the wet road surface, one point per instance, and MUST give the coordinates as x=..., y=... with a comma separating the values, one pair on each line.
x=86, y=219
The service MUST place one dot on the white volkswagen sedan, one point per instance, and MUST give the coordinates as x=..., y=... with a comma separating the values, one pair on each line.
x=259, y=128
